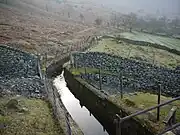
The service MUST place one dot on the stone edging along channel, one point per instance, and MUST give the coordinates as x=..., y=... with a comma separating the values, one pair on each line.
x=104, y=109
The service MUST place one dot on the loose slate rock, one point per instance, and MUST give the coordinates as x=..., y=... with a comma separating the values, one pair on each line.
x=136, y=75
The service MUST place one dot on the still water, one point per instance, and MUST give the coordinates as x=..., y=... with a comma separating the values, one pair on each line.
x=88, y=123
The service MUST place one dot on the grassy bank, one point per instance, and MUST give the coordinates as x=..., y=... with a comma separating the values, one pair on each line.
x=25, y=116
x=139, y=101
x=139, y=53
x=165, y=41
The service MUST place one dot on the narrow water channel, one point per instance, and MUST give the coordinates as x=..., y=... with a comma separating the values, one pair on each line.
x=86, y=121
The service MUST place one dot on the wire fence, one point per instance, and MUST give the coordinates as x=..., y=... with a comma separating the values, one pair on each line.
x=103, y=79
x=116, y=82
x=52, y=94
x=82, y=45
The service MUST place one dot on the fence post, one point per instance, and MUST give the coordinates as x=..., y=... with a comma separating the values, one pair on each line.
x=54, y=97
x=75, y=62
x=153, y=57
x=71, y=63
x=85, y=72
x=159, y=101
x=39, y=64
x=68, y=124
x=129, y=52
x=121, y=84
x=120, y=128
x=56, y=54
x=118, y=124
x=46, y=64
x=100, y=81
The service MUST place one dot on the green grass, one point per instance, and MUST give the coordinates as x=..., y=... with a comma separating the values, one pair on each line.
x=166, y=41
x=139, y=53
x=141, y=101
x=37, y=120
x=78, y=71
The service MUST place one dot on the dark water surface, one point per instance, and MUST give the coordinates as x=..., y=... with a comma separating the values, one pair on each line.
x=88, y=123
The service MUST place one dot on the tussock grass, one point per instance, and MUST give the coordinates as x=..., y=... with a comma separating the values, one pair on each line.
x=139, y=53
x=37, y=119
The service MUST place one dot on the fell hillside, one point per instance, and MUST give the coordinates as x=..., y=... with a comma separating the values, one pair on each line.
x=40, y=26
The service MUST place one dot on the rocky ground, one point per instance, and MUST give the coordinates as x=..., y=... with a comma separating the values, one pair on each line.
x=135, y=75
x=19, y=73
x=37, y=27
x=16, y=63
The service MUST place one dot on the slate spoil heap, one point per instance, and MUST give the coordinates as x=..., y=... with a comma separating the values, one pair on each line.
x=136, y=75
x=19, y=73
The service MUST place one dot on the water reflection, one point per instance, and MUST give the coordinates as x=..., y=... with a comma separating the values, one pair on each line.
x=86, y=121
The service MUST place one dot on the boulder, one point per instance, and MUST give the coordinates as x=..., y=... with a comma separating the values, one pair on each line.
x=12, y=104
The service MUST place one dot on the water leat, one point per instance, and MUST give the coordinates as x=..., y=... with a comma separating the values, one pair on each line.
x=88, y=123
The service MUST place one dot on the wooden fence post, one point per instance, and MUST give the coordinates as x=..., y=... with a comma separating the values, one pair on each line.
x=46, y=63
x=56, y=54
x=121, y=84
x=100, y=81
x=68, y=124
x=118, y=125
x=153, y=57
x=75, y=61
x=85, y=72
x=159, y=101
x=129, y=52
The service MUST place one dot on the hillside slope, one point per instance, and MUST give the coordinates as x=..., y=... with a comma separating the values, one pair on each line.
x=40, y=26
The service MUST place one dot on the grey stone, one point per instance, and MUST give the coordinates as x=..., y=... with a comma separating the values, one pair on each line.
x=137, y=75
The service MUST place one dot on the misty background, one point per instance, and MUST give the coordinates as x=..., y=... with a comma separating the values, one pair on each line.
x=161, y=7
